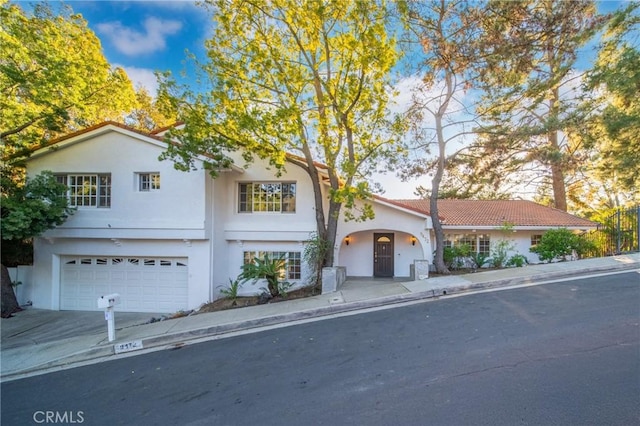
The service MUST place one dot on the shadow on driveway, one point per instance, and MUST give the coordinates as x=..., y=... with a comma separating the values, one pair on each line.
x=37, y=326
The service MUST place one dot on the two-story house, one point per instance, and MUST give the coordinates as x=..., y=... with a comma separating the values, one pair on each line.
x=168, y=240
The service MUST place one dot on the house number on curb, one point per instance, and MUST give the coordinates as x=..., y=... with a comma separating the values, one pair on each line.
x=128, y=346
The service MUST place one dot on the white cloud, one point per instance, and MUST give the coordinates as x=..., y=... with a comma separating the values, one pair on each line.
x=132, y=42
x=142, y=77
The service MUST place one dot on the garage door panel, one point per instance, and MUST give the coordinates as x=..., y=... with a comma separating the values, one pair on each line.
x=86, y=275
x=134, y=290
x=103, y=276
x=118, y=275
x=134, y=276
x=145, y=284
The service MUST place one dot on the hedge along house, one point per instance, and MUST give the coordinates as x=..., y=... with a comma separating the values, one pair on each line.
x=168, y=240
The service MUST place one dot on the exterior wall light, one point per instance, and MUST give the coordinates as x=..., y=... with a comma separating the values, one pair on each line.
x=347, y=239
x=413, y=240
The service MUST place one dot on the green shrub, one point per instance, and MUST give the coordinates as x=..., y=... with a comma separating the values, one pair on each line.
x=517, y=260
x=449, y=257
x=479, y=259
x=454, y=256
x=560, y=242
x=500, y=249
x=500, y=253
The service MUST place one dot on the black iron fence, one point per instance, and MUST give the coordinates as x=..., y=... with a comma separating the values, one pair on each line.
x=620, y=233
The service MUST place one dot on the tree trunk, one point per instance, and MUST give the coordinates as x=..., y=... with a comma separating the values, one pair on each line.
x=9, y=302
x=438, y=260
x=557, y=161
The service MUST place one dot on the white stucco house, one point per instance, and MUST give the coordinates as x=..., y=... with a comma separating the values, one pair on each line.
x=168, y=240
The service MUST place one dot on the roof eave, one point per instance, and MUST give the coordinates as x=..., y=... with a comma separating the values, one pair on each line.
x=520, y=227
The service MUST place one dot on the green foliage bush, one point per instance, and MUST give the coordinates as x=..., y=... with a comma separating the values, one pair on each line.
x=479, y=259
x=517, y=260
x=454, y=256
x=560, y=242
x=500, y=249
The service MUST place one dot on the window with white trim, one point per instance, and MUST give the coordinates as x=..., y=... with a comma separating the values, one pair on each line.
x=479, y=243
x=293, y=261
x=148, y=182
x=87, y=190
x=535, y=239
x=484, y=244
x=279, y=197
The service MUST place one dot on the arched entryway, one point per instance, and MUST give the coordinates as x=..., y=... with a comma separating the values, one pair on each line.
x=380, y=253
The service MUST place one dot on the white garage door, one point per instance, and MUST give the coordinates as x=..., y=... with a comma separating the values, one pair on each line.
x=145, y=284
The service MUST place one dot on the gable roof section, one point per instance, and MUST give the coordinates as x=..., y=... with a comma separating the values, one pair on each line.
x=104, y=127
x=396, y=204
x=494, y=213
x=92, y=131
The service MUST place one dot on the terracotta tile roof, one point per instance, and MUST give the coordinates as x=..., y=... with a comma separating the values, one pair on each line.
x=496, y=212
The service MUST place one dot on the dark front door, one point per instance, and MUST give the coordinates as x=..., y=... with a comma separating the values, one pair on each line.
x=383, y=255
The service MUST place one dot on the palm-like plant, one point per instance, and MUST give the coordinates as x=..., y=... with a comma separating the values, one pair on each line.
x=267, y=268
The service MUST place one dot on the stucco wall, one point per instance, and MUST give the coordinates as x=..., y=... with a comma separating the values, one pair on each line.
x=178, y=205
x=235, y=232
x=272, y=226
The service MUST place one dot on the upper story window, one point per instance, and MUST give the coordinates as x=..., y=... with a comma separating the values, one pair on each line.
x=267, y=197
x=87, y=190
x=148, y=182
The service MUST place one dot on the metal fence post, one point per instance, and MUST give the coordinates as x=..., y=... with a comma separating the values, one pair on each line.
x=618, y=232
x=638, y=228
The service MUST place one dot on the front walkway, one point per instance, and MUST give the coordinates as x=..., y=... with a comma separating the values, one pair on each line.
x=355, y=289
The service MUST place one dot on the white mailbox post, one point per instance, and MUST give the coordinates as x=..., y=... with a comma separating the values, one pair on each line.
x=107, y=303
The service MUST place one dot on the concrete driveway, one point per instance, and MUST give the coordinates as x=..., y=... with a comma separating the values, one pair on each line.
x=37, y=326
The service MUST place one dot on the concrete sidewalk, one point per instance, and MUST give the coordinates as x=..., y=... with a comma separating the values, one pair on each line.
x=38, y=341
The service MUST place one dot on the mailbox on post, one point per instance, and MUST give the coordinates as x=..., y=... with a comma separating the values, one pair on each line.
x=107, y=303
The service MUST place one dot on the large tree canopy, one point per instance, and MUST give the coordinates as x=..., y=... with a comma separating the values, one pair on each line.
x=614, y=127
x=532, y=48
x=307, y=78
x=54, y=77
x=29, y=210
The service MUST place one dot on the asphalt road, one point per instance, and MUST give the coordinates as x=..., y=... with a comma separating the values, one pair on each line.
x=558, y=354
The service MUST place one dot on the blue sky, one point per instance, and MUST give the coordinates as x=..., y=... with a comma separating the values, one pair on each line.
x=147, y=36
